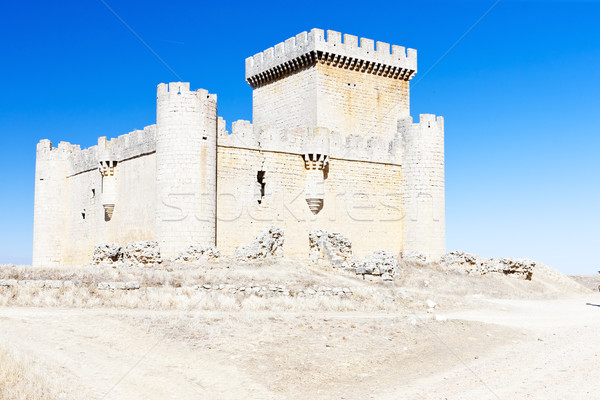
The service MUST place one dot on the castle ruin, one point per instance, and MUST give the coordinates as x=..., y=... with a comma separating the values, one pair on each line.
x=331, y=146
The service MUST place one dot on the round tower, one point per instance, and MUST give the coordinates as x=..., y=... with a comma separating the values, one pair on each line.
x=423, y=182
x=186, y=167
x=49, y=203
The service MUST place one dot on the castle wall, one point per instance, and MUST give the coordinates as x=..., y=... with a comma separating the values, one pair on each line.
x=69, y=217
x=289, y=102
x=354, y=201
x=342, y=100
x=424, y=185
x=84, y=217
x=361, y=103
x=133, y=216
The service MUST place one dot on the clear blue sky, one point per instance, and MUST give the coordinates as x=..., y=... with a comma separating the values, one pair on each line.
x=520, y=96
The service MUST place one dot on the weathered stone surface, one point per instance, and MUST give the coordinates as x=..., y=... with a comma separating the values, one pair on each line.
x=132, y=285
x=379, y=263
x=268, y=244
x=106, y=285
x=472, y=264
x=521, y=268
x=461, y=259
x=413, y=258
x=32, y=283
x=8, y=282
x=387, y=277
x=118, y=285
x=330, y=247
x=107, y=254
x=53, y=284
x=145, y=253
x=197, y=253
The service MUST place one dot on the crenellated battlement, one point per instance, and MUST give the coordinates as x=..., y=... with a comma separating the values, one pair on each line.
x=306, y=140
x=121, y=148
x=429, y=121
x=307, y=48
x=181, y=90
x=46, y=146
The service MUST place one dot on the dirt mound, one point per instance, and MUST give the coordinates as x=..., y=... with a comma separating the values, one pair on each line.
x=561, y=282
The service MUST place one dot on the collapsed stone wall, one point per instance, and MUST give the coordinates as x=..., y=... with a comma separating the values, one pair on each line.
x=380, y=263
x=108, y=254
x=145, y=253
x=197, y=253
x=268, y=244
x=326, y=248
x=474, y=265
x=330, y=246
x=336, y=250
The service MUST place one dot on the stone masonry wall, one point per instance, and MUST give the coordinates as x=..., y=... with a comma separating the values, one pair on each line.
x=362, y=200
x=355, y=102
x=133, y=215
x=289, y=102
x=68, y=213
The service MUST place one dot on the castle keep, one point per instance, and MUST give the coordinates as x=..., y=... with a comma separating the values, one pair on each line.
x=331, y=146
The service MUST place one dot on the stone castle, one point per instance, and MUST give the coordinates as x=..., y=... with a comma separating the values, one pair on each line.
x=331, y=146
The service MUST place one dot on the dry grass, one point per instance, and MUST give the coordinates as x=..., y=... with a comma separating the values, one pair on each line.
x=173, y=288
x=318, y=345
x=167, y=288
x=23, y=378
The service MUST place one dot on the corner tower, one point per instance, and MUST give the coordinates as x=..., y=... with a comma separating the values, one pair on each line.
x=186, y=167
x=49, y=210
x=423, y=185
x=350, y=86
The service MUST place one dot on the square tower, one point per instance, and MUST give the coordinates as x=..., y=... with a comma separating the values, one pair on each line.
x=349, y=86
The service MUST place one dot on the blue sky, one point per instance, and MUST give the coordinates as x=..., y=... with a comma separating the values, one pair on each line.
x=519, y=94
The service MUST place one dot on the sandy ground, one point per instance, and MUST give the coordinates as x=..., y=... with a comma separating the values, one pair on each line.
x=591, y=282
x=502, y=349
x=556, y=357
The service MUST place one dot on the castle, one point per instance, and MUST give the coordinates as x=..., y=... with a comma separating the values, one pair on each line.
x=331, y=146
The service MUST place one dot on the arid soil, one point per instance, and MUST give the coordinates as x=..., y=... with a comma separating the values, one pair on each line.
x=591, y=282
x=488, y=337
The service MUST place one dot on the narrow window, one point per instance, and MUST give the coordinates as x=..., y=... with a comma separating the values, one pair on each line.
x=93, y=193
x=260, y=178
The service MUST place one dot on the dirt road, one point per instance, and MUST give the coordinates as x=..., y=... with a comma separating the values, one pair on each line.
x=104, y=357
x=508, y=350
x=561, y=363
